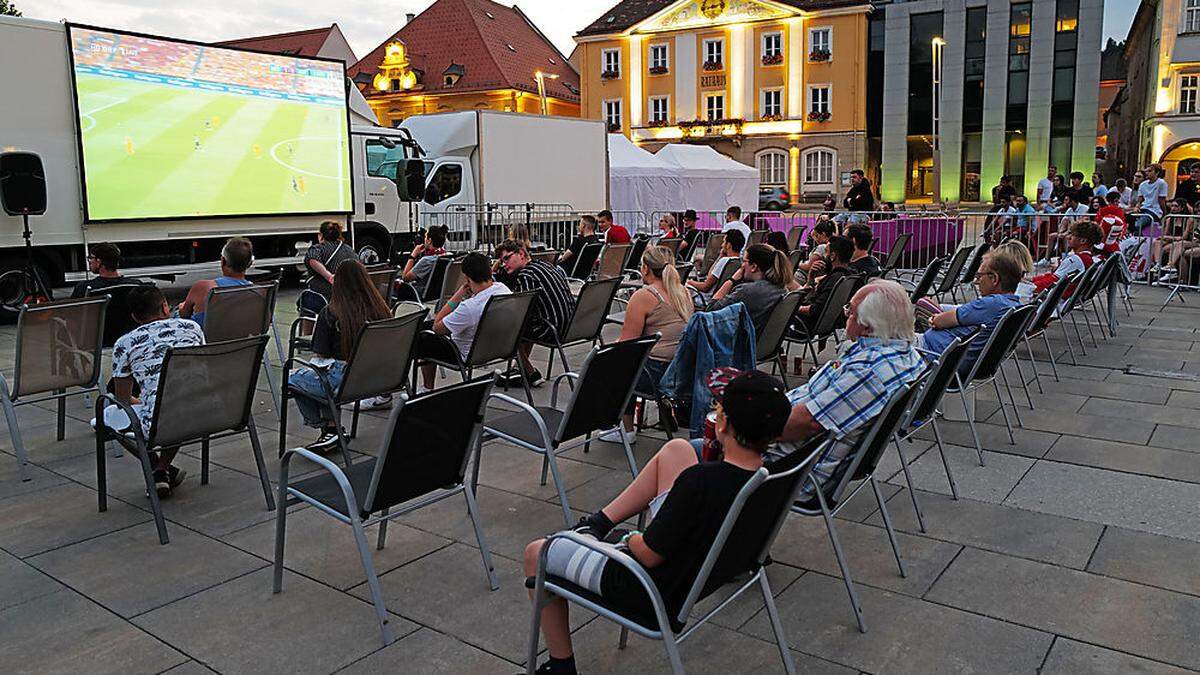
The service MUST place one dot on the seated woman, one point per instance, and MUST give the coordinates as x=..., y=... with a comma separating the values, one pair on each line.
x=997, y=281
x=759, y=284
x=667, y=228
x=815, y=265
x=353, y=302
x=731, y=251
x=688, y=501
x=662, y=305
x=778, y=241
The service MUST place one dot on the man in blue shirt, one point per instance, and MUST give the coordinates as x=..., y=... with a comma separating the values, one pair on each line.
x=997, y=281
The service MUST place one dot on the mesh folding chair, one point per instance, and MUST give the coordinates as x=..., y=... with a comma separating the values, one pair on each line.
x=923, y=411
x=549, y=256
x=769, y=341
x=57, y=355
x=602, y=389
x=895, y=254
x=969, y=270
x=671, y=244
x=422, y=460
x=205, y=393
x=795, y=257
x=928, y=277
x=612, y=261
x=585, y=262
x=712, y=251
x=828, y=321
x=377, y=366
x=1100, y=282
x=118, y=319
x=497, y=338
x=383, y=278
x=756, y=237
x=242, y=311
x=793, y=237
x=989, y=364
x=635, y=255
x=953, y=272
x=451, y=281
x=1078, y=292
x=859, y=466
x=767, y=491
x=1047, y=309
x=591, y=310
x=269, y=278
x=435, y=284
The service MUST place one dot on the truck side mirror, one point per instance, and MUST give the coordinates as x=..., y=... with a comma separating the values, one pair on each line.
x=410, y=180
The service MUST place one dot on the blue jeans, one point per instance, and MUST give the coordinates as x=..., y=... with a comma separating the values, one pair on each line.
x=1141, y=221
x=310, y=395
x=853, y=218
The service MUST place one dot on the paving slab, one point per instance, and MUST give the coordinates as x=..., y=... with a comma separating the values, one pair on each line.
x=518, y=470
x=1149, y=559
x=1126, y=427
x=241, y=627
x=22, y=582
x=1159, y=414
x=989, y=483
x=1184, y=399
x=1141, y=620
x=11, y=484
x=1176, y=438
x=1098, y=495
x=428, y=651
x=738, y=612
x=905, y=635
x=1153, y=383
x=129, y=572
x=66, y=633
x=1068, y=657
x=57, y=516
x=320, y=547
x=1128, y=457
x=1028, y=442
x=1026, y=534
x=43, y=447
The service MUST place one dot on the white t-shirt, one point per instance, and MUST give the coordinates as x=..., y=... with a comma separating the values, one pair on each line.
x=1149, y=192
x=1045, y=189
x=1126, y=197
x=463, y=321
x=739, y=226
x=718, y=267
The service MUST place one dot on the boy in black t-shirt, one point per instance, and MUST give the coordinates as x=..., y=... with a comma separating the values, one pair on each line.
x=687, y=501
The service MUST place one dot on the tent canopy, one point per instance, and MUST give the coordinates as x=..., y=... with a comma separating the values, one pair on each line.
x=639, y=180
x=710, y=180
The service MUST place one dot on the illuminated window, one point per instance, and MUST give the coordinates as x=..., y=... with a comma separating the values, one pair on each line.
x=772, y=167
x=660, y=109
x=772, y=45
x=659, y=57
x=1191, y=16
x=820, y=43
x=714, y=52
x=1189, y=91
x=610, y=63
x=612, y=114
x=771, y=104
x=818, y=166
x=714, y=106
x=818, y=100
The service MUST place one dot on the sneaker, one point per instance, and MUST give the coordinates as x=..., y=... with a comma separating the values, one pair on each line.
x=614, y=436
x=377, y=403
x=325, y=442
x=162, y=483
x=175, y=476
x=1169, y=274
x=535, y=377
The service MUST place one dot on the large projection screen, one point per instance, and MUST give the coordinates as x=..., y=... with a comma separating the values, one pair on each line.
x=173, y=129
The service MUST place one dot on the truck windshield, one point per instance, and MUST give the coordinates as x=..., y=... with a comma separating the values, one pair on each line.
x=382, y=160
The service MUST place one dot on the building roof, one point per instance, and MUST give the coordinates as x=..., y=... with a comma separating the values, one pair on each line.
x=629, y=13
x=498, y=47
x=296, y=43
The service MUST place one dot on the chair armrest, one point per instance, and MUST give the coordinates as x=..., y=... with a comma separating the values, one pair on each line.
x=623, y=559
x=105, y=431
x=558, y=381
x=526, y=408
x=332, y=469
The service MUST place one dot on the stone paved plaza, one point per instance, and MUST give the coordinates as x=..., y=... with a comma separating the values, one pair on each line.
x=1074, y=550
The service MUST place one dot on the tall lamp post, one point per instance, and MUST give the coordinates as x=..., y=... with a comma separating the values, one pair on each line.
x=541, y=78
x=937, y=46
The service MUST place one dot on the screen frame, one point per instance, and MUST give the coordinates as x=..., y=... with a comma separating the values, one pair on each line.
x=87, y=216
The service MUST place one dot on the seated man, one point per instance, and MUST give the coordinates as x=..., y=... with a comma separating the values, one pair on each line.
x=688, y=501
x=103, y=260
x=552, y=308
x=424, y=257
x=731, y=254
x=236, y=257
x=137, y=359
x=849, y=391
x=733, y=221
x=839, y=250
x=1081, y=241
x=997, y=280
x=459, y=317
x=587, y=235
x=862, y=262
x=613, y=234
x=690, y=233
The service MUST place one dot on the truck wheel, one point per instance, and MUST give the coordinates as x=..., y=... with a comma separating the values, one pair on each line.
x=372, y=250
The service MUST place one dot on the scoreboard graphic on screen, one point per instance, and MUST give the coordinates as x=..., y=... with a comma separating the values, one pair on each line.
x=172, y=129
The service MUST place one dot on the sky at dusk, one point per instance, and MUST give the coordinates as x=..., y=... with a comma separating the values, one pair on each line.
x=364, y=22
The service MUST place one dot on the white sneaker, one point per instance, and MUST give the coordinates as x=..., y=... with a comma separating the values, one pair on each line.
x=614, y=436
x=1168, y=274
x=377, y=403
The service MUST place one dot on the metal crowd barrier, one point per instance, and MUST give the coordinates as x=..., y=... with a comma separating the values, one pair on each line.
x=1169, y=257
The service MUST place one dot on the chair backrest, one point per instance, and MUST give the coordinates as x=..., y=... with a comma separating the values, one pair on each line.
x=585, y=261
x=206, y=389
x=832, y=314
x=1078, y=289
x=795, y=258
x=451, y=281
x=756, y=237
x=954, y=270
x=976, y=262
x=862, y=460
x=591, y=309
x=635, y=254
x=612, y=260
x=238, y=311
x=500, y=326
x=434, y=285
x=927, y=278
x=549, y=256
x=59, y=345
x=117, y=318
x=671, y=244
x=605, y=385
x=769, y=340
x=1049, y=303
x=893, y=256
x=1102, y=279
x=770, y=493
x=685, y=271
x=727, y=273
x=381, y=358
x=793, y=237
x=383, y=278
x=428, y=444
x=712, y=250
x=1001, y=342
x=941, y=376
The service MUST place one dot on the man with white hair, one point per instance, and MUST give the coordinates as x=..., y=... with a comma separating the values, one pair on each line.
x=878, y=357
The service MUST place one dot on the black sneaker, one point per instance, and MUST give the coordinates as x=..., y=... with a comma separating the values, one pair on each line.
x=162, y=483
x=535, y=377
x=175, y=476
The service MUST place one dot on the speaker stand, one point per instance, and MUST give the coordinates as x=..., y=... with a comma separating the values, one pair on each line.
x=42, y=293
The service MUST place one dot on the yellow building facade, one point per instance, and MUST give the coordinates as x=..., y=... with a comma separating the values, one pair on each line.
x=776, y=85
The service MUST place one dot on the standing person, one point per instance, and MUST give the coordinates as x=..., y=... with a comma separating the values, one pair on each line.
x=613, y=233
x=733, y=221
x=1099, y=189
x=667, y=228
x=690, y=233
x=552, y=307
x=587, y=235
x=1045, y=187
x=236, y=257
x=424, y=257
x=321, y=259
x=353, y=302
x=1151, y=199
x=858, y=200
x=137, y=359
x=104, y=259
x=1188, y=189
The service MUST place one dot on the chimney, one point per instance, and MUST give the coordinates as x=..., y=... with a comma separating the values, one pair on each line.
x=409, y=17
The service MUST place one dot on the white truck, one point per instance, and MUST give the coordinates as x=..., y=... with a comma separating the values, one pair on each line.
x=470, y=158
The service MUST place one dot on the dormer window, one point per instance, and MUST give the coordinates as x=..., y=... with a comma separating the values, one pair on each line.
x=453, y=74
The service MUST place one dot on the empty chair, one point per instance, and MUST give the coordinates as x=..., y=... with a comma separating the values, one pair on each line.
x=1047, y=309
x=925, y=283
x=1075, y=294
x=953, y=272
x=452, y=280
x=548, y=256
x=422, y=460
x=434, y=284
x=383, y=278
x=612, y=261
x=57, y=355
x=892, y=261
x=793, y=237
x=585, y=262
x=712, y=250
x=602, y=388
x=769, y=341
x=205, y=393
x=242, y=311
x=635, y=254
x=972, y=266
x=587, y=320
x=671, y=244
x=756, y=237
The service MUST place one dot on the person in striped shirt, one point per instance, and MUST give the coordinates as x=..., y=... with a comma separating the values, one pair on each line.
x=552, y=307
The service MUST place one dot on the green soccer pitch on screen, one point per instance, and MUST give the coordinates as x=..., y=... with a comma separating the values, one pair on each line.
x=178, y=130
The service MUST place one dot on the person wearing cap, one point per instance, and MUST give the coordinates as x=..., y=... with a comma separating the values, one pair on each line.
x=687, y=247
x=688, y=501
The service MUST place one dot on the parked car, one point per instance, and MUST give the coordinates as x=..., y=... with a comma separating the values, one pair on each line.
x=773, y=198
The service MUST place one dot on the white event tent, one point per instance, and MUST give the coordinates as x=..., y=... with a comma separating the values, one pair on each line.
x=711, y=181
x=640, y=181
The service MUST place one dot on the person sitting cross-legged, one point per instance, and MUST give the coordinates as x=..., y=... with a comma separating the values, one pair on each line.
x=137, y=360
x=552, y=306
x=997, y=280
x=688, y=501
x=353, y=302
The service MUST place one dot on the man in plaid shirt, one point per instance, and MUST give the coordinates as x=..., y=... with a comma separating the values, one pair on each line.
x=849, y=391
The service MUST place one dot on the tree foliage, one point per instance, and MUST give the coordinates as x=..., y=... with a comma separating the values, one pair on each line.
x=8, y=9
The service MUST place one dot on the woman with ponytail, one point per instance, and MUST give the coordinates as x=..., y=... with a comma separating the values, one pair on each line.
x=662, y=305
x=759, y=284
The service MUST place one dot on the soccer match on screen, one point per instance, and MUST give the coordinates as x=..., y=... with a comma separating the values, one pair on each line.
x=172, y=129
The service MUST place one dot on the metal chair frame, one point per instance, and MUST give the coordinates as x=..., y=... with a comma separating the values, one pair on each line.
x=769, y=342
x=827, y=322
x=574, y=335
x=214, y=331
x=953, y=272
x=893, y=257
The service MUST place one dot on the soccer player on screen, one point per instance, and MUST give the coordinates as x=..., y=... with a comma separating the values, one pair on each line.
x=295, y=185
x=196, y=144
x=129, y=146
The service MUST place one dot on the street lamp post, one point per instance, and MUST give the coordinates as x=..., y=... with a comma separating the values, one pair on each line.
x=937, y=46
x=541, y=78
